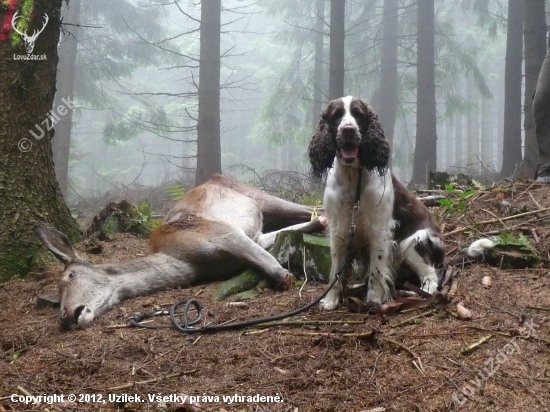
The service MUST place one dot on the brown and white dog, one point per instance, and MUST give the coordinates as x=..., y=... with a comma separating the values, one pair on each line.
x=349, y=141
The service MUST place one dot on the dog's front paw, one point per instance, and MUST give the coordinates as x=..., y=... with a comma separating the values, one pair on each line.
x=430, y=286
x=378, y=295
x=331, y=301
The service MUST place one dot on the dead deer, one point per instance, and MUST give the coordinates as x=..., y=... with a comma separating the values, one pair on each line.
x=212, y=233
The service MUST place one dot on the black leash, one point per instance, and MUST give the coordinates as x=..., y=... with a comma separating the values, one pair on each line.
x=187, y=326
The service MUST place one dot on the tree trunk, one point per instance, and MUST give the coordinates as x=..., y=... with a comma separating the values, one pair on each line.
x=337, y=39
x=458, y=140
x=388, y=68
x=425, y=151
x=472, y=121
x=535, y=49
x=65, y=89
x=30, y=193
x=487, y=138
x=208, y=127
x=449, y=143
x=511, y=146
x=541, y=103
x=319, y=58
x=500, y=125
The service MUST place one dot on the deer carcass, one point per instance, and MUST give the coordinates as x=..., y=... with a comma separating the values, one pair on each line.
x=212, y=233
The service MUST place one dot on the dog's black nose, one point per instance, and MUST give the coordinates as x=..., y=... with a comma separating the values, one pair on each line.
x=348, y=131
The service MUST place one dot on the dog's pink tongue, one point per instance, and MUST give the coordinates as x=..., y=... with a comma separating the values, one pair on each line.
x=349, y=154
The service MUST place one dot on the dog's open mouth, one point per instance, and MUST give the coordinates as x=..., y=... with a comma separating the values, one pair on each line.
x=349, y=154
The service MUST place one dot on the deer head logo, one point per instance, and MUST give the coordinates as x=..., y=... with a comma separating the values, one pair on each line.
x=29, y=40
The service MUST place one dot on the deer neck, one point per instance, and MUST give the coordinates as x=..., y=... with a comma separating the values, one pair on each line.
x=144, y=276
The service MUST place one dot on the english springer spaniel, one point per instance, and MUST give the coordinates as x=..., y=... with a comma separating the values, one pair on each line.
x=349, y=144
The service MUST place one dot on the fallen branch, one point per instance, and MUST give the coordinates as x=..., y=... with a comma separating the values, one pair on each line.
x=433, y=335
x=132, y=384
x=489, y=330
x=330, y=334
x=538, y=308
x=309, y=323
x=502, y=219
x=23, y=391
x=417, y=363
x=469, y=349
x=414, y=318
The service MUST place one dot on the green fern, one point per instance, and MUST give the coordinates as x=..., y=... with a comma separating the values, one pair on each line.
x=175, y=191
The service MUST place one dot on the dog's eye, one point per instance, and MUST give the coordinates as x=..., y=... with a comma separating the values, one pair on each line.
x=357, y=113
x=337, y=115
x=72, y=274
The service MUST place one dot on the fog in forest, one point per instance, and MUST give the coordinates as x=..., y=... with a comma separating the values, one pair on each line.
x=136, y=78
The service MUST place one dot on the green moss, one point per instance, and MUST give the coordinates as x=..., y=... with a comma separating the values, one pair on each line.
x=513, y=253
x=289, y=249
x=17, y=264
x=316, y=239
x=245, y=281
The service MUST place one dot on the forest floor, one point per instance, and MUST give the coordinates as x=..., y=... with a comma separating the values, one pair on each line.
x=336, y=365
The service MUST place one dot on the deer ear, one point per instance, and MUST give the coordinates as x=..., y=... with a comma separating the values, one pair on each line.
x=57, y=243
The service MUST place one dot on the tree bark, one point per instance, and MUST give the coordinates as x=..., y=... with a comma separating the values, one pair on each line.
x=337, y=40
x=541, y=103
x=535, y=50
x=487, y=138
x=65, y=89
x=319, y=58
x=472, y=121
x=511, y=145
x=449, y=143
x=208, y=127
x=425, y=151
x=388, y=68
x=458, y=140
x=30, y=193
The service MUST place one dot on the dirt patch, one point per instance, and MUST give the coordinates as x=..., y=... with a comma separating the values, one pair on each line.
x=333, y=366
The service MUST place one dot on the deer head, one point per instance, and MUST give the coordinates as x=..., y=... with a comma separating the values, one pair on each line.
x=29, y=40
x=87, y=290
x=79, y=286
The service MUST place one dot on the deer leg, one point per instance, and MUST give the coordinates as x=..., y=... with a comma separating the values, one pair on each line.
x=278, y=213
x=255, y=256
x=267, y=240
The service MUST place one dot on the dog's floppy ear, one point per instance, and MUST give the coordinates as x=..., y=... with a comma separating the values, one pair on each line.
x=322, y=147
x=375, y=150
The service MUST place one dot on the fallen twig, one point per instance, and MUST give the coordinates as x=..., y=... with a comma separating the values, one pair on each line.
x=409, y=320
x=469, y=349
x=309, y=323
x=489, y=330
x=132, y=384
x=417, y=363
x=495, y=216
x=485, y=222
x=538, y=308
x=433, y=335
x=329, y=334
x=23, y=391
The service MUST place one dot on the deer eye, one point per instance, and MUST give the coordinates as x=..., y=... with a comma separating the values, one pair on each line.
x=72, y=274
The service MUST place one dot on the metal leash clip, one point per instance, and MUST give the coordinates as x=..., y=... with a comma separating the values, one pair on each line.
x=353, y=226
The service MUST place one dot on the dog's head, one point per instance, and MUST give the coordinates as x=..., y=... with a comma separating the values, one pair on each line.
x=348, y=132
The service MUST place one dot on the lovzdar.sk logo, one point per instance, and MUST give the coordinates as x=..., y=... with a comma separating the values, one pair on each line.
x=29, y=40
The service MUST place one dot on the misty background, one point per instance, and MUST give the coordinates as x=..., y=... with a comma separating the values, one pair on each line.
x=136, y=75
